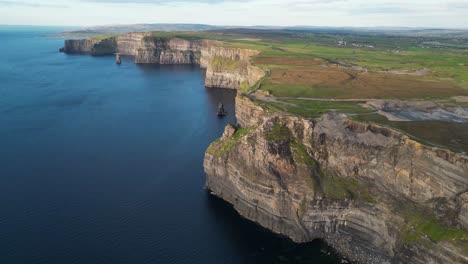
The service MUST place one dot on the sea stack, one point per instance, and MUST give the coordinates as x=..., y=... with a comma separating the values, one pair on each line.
x=117, y=59
x=221, y=111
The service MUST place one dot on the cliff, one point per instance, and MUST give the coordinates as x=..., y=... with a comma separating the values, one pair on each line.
x=90, y=46
x=225, y=67
x=374, y=194
x=229, y=67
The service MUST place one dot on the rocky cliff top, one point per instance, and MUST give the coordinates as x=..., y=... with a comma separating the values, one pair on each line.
x=372, y=192
x=226, y=67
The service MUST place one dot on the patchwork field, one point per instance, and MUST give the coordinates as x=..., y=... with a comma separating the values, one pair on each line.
x=303, y=69
x=301, y=77
x=306, y=69
x=327, y=65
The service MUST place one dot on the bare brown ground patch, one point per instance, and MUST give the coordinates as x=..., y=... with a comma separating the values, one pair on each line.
x=250, y=39
x=347, y=83
x=291, y=61
x=309, y=76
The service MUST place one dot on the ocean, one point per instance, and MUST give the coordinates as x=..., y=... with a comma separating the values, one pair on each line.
x=103, y=163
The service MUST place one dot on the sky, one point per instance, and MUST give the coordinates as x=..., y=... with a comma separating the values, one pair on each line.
x=334, y=13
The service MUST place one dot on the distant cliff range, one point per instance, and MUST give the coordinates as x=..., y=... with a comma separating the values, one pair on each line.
x=226, y=67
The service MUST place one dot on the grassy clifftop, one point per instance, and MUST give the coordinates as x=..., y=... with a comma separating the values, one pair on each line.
x=313, y=73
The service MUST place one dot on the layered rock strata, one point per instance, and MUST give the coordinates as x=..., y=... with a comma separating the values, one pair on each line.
x=90, y=46
x=396, y=110
x=374, y=194
x=225, y=67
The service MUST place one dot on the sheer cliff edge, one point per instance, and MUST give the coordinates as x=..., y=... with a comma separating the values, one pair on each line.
x=225, y=67
x=373, y=193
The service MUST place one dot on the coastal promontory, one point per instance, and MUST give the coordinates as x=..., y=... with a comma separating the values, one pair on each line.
x=329, y=144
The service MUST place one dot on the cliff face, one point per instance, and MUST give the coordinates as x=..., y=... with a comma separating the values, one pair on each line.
x=90, y=46
x=229, y=67
x=226, y=67
x=130, y=43
x=373, y=193
x=168, y=51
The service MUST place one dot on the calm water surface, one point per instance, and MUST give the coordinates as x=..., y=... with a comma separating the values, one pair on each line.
x=102, y=163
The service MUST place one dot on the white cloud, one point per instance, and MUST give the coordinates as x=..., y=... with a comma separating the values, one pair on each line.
x=416, y=13
x=29, y=4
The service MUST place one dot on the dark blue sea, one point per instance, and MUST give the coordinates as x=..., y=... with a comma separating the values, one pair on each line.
x=101, y=163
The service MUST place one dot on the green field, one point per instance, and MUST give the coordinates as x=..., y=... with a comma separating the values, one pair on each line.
x=301, y=65
x=446, y=58
x=103, y=37
x=317, y=108
x=448, y=135
x=448, y=66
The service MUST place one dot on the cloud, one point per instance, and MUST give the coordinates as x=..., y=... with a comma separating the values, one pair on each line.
x=381, y=10
x=29, y=4
x=418, y=13
x=161, y=1
x=458, y=4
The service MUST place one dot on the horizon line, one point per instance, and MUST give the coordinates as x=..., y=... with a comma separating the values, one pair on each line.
x=242, y=26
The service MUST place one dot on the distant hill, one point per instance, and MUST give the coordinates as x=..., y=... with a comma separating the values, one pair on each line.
x=120, y=29
x=391, y=31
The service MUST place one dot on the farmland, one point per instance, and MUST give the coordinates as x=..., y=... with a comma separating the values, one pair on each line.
x=307, y=68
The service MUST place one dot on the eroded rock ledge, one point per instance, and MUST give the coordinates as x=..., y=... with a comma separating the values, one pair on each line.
x=225, y=67
x=374, y=194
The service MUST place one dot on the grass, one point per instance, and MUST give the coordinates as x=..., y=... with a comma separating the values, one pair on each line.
x=313, y=66
x=296, y=60
x=434, y=230
x=221, y=63
x=219, y=147
x=421, y=224
x=296, y=71
x=300, y=154
x=285, y=90
x=411, y=59
x=103, y=37
x=258, y=85
x=344, y=107
x=194, y=35
x=244, y=87
x=322, y=81
x=308, y=64
x=278, y=133
x=340, y=188
x=314, y=109
x=418, y=224
x=334, y=187
x=448, y=135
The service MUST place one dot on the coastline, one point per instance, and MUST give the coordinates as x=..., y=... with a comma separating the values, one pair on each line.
x=266, y=175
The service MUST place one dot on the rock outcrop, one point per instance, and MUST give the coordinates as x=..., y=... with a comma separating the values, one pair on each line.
x=229, y=67
x=90, y=46
x=168, y=51
x=396, y=110
x=225, y=67
x=373, y=193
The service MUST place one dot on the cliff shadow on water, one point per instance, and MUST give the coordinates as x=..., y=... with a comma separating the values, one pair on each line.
x=262, y=245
